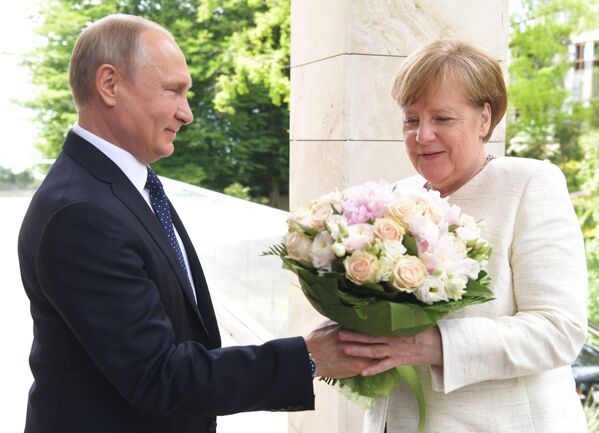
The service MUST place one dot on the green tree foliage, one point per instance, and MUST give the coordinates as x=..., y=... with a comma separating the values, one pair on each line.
x=588, y=211
x=11, y=181
x=545, y=122
x=238, y=54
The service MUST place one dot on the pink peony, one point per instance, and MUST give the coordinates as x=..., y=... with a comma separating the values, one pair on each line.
x=366, y=202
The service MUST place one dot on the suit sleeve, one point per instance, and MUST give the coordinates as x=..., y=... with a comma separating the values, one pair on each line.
x=549, y=287
x=91, y=269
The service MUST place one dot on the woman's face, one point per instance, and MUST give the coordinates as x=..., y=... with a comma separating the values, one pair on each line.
x=444, y=133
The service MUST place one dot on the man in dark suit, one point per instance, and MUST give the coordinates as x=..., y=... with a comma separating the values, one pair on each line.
x=125, y=337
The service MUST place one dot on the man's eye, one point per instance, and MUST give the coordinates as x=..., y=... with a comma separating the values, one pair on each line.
x=443, y=119
x=410, y=121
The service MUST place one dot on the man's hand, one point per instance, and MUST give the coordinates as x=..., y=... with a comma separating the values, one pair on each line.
x=425, y=348
x=331, y=354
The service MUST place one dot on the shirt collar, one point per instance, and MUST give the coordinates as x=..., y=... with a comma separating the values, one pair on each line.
x=135, y=171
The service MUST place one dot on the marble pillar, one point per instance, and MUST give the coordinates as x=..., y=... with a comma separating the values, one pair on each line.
x=346, y=129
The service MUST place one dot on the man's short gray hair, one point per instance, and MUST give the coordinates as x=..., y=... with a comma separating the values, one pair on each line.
x=115, y=40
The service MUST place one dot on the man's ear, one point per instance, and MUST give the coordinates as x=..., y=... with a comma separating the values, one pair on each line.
x=485, y=120
x=107, y=81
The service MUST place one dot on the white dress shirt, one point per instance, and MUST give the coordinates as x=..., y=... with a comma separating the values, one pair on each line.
x=136, y=172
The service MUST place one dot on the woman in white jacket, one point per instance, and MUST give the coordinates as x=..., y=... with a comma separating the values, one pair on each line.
x=502, y=366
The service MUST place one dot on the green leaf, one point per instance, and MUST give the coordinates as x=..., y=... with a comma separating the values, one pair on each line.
x=307, y=230
x=410, y=243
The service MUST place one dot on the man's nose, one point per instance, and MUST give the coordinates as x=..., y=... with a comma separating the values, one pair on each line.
x=184, y=114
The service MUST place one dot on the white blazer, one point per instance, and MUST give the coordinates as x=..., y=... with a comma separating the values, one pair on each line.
x=507, y=362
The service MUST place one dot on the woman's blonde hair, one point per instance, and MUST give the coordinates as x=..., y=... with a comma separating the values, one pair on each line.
x=478, y=73
x=115, y=40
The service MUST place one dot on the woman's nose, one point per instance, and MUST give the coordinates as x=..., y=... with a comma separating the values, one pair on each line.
x=425, y=133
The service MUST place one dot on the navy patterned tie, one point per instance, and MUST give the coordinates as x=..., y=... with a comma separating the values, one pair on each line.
x=163, y=213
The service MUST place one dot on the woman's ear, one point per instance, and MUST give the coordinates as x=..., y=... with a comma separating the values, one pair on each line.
x=485, y=120
x=107, y=78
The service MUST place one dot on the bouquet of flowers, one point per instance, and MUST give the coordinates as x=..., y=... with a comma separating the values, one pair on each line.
x=386, y=260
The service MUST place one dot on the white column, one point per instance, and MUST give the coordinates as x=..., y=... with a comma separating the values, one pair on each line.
x=345, y=127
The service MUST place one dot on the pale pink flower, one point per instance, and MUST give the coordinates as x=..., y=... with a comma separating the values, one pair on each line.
x=366, y=202
x=448, y=254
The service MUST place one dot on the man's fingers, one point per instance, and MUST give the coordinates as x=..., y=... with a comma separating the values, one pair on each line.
x=376, y=351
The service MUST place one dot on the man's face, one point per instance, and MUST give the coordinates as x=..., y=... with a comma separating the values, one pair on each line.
x=152, y=105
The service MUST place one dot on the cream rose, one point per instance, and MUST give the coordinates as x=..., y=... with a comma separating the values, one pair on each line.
x=298, y=247
x=321, y=211
x=334, y=199
x=403, y=209
x=388, y=229
x=409, y=274
x=361, y=267
x=302, y=216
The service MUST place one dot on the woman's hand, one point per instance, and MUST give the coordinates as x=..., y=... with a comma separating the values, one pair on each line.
x=425, y=348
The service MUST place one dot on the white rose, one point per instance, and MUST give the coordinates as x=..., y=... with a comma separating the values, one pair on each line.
x=298, y=247
x=393, y=249
x=320, y=251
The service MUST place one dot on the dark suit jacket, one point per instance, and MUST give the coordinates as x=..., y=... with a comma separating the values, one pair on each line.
x=120, y=345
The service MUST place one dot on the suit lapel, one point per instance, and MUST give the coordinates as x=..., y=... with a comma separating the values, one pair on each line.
x=107, y=171
x=201, y=287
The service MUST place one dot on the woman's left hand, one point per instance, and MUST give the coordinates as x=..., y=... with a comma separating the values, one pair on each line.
x=425, y=348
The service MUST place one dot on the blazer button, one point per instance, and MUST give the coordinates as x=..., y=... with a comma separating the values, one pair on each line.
x=212, y=427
